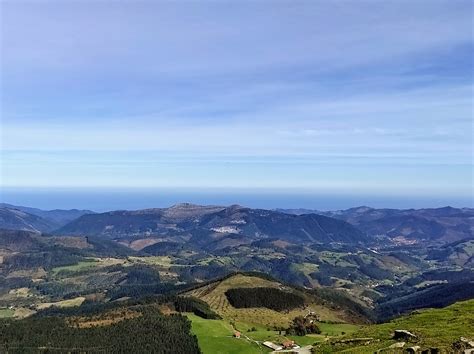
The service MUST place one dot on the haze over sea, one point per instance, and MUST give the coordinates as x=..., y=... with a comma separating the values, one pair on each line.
x=316, y=104
x=104, y=199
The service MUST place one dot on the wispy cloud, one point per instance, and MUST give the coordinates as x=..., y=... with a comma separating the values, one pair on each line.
x=370, y=95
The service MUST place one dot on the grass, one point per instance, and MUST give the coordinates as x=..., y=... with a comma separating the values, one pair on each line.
x=81, y=266
x=20, y=292
x=215, y=297
x=163, y=261
x=6, y=313
x=88, y=264
x=327, y=330
x=336, y=329
x=335, y=259
x=307, y=340
x=258, y=332
x=215, y=259
x=163, y=264
x=77, y=301
x=22, y=312
x=434, y=327
x=305, y=268
x=216, y=337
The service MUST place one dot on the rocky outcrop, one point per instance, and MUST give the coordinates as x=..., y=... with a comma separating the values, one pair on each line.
x=401, y=334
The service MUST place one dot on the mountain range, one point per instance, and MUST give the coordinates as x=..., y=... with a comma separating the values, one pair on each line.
x=441, y=225
x=212, y=226
x=134, y=253
x=37, y=220
x=220, y=226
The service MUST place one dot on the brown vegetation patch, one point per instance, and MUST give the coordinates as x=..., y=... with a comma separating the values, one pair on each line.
x=140, y=244
x=106, y=319
x=77, y=301
x=281, y=243
x=167, y=309
x=71, y=241
x=35, y=273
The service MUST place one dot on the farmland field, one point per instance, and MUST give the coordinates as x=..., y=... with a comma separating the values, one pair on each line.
x=216, y=337
x=6, y=313
x=64, y=303
x=84, y=265
x=215, y=296
x=335, y=329
x=163, y=261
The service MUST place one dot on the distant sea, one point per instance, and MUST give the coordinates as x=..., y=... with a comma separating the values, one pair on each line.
x=105, y=199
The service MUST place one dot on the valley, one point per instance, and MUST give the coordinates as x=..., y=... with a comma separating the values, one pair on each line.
x=339, y=280
x=236, y=177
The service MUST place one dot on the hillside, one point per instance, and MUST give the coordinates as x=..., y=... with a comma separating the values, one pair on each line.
x=120, y=327
x=146, y=252
x=257, y=320
x=459, y=253
x=214, y=227
x=405, y=226
x=15, y=219
x=57, y=217
x=433, y=328
x=216, y=295
x=147, y=222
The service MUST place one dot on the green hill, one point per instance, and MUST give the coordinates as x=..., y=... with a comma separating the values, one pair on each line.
x=214, y=293
x=434, y=328
x=260, y=322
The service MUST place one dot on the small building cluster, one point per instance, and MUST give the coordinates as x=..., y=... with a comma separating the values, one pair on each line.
x=287, y=344
x=272, y=345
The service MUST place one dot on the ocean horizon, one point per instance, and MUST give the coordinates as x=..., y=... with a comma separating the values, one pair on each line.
x=106, y=199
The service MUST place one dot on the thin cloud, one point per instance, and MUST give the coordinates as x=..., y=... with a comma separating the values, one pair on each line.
x=252, y=94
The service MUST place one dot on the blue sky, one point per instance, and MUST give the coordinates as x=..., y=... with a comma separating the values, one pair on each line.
x=368, y=97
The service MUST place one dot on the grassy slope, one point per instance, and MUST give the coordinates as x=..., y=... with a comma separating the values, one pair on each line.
x=64, y=303
x=6, y=313
x=80, y=266
x=256, y=323
x=215, y=297
x=434, y=327
x=215, y=337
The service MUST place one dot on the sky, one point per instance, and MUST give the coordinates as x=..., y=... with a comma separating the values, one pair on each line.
x=343, y=97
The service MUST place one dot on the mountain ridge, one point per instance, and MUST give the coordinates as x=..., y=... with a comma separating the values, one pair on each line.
x=445, y=224
x=15, y=219
x=56, y=217
x=211, y=223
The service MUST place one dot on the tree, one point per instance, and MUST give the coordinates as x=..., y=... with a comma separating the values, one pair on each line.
x=302, y=326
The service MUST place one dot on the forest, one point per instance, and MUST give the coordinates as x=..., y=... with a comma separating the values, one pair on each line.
x=148, y=332
x=118, y=327
x=271, y=298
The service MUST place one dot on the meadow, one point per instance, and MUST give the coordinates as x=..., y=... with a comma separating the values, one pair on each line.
x=6, y=313
x=434, y=328
x=216, y=337
x=79, y=267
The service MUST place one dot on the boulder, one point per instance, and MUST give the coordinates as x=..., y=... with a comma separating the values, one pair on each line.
x=403, y=334
x=468, y=342
x=463, y=345
x=397, y=345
